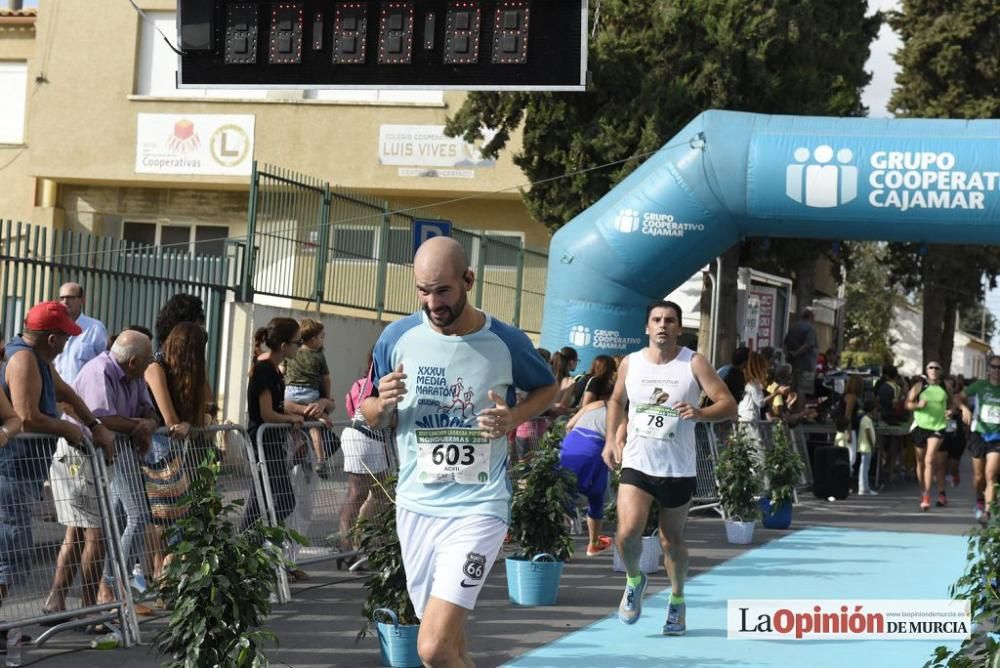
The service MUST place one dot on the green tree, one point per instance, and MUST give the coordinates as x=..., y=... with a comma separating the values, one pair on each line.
x=870, y=296
x=950, y=69
x=948, y=279
x=977, y=320
x=655, y=64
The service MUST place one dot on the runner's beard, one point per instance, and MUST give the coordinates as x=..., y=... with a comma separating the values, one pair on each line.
x=453, y=312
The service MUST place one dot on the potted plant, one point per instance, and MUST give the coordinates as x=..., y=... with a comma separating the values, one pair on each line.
x=538, y=523
x=651, y=557
x=219, y=581
x=783, y=470
x=739, y=484
x=388, y=603
x=980, y=586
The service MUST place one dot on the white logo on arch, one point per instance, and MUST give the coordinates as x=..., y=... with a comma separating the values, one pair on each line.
x=816, y=182
x=579, y=336
x=627, y=220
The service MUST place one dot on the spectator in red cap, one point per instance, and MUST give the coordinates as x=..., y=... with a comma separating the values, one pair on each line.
x=33, y=387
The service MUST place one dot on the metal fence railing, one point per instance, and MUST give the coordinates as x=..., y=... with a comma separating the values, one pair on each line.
x=706, y=493
x=316, y=243
x=59, y=535
x=125, y=283
x=148, y=493
x=75, y=521
x=321, y=496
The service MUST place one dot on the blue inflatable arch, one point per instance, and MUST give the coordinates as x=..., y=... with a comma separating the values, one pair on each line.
x=728, y=175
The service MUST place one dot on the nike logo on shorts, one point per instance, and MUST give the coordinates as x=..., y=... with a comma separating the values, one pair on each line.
x=469, y=584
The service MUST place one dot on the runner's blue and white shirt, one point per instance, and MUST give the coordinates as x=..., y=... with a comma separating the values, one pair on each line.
x=447, y=468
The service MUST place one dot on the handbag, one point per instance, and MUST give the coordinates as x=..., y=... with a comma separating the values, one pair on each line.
x=166, y=483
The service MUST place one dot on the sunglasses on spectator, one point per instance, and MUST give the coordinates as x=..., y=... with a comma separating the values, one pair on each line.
x=296, y=342
x=933, y=368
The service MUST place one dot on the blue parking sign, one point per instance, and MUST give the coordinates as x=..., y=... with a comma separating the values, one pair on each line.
x=425, y=229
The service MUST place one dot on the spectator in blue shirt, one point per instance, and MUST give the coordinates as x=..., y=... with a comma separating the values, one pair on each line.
x=85, y=346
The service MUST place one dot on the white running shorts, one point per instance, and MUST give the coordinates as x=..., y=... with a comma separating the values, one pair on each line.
x=448, y=557
x=362, y=454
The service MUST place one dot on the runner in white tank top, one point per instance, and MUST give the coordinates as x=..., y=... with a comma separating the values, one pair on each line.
x=662, y=385
x=659, y=442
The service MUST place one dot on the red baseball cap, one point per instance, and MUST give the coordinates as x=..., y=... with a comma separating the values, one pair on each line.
x=51, y=316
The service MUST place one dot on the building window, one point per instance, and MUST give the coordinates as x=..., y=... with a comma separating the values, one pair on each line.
x=194, y=239
x=13, y=92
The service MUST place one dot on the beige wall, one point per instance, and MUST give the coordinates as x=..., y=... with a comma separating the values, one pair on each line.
x=91, y=137
x=17, y=188
x=101, y=209
x=82, y=141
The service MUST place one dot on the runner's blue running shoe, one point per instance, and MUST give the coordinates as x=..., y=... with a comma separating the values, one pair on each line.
x=631, y=606
x=676, y=619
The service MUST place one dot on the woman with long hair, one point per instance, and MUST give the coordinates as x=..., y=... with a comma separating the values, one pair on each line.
x=854, y=390
x=182, y=308
x=177, y=383
x=563, y=364
x=754, y=397
x=600, y=379
x=265, y=405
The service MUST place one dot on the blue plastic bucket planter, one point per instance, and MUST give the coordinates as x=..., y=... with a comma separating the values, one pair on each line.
x=775, y=518
x=397, y=642
x=534, y=582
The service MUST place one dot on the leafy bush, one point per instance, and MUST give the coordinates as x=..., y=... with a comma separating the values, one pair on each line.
x=980, y=585
x=376, y=537
x=738, y=482
x=783, y=469
x=219, y=581
x=853, y=359
x=544, y=493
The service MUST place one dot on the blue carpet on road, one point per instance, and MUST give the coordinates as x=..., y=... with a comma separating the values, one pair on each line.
x=818, y=563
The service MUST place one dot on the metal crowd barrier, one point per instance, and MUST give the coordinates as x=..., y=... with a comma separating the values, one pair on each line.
x=886, y=448
x=318, y=480
x=148, y=491
x=127, y=507
x=48, y=486
x=524, y=441
x=706, y=493
x=799, y=442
